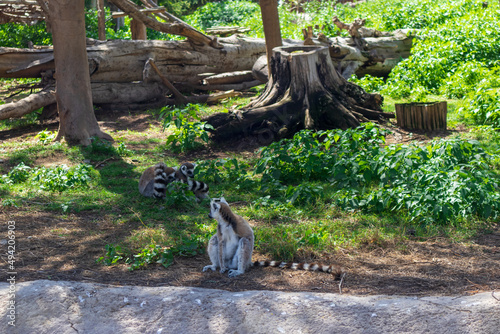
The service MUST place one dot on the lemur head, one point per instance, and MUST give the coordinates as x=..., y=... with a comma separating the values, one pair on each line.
x=170, y=174
x=187, y=169
x=215, y=207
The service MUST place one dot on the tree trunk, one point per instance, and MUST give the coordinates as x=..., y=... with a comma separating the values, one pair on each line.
x=138, y=30
x=101, y=20
x=305, y=92
x=271, y=22
x=73, y=93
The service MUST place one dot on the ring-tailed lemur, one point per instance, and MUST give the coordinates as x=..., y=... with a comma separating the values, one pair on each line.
x=154, y=180
x=333, y=269
x=185, y=174
x=232, y=246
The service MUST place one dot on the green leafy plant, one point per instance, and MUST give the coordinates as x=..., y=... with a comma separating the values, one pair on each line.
x=45, y=136
x=153, y=253
x=225, y=171
x=19, y=35
x=112, y=255
x=223, y=13
x=103, y=147
x=468, y=77
x=18, y=174
x=369, y=83
x=322, y=155
x=186, y=126
x=433, y=184
x=61, y=178
x=178, y=195
x=465, y=35
x=482, y=107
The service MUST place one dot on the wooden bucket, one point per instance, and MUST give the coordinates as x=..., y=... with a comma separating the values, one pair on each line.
x=426, y=116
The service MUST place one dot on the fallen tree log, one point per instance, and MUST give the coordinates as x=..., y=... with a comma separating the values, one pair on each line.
x=27, y=105
x=228, y=78
x=102, y=94
x=124, y=60
x=305, y=92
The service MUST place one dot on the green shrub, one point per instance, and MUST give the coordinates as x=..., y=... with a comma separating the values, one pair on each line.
x=467, y=77
x=45, y=136
x=470, y=37
x=18, y=35
x=61, y=178
x=18, y=174
x=224, y=171
x=186, y=126
x=320, y=156
x=442, y=181
x=223, y=13
x=482, y=107
x=369, y=83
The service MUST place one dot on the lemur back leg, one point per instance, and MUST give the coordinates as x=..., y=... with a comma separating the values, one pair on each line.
x=242, y=259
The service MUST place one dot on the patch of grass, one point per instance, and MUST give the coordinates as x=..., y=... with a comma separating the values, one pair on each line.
x=309, y=195
x=289, y=191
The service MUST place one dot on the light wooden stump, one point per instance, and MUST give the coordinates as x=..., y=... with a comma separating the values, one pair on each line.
x=426, y=116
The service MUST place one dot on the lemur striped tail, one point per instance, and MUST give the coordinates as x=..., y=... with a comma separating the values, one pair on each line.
x=331, y=269
x=197, y=186
x=161, y=180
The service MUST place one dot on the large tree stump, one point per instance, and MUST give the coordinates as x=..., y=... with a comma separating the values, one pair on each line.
x=305, y=92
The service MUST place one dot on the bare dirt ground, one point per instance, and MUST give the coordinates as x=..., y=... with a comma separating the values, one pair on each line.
x=67, y=249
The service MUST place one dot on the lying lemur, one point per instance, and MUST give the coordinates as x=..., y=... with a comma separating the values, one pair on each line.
x=232, y=246
x=154, y=180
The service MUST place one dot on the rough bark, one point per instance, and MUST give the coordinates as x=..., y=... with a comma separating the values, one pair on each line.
x=138, y=30
x=101, y=20
x=123, y=60
x=271, y=23
x=73, y=92
x=305, y=91
x=27, y=105
x=102, y=94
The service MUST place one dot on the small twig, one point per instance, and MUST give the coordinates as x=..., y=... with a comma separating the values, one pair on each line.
x=101, y=162
x=181, y=99
x=493, y=295
x=341, y=282
x=409, y=263
x=476, y=285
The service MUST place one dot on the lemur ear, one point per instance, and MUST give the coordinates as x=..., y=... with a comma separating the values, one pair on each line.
x=215, y=206
x=223, y=200
x=175, y=168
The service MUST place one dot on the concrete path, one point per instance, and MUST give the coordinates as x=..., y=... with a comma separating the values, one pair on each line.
x=75, y=307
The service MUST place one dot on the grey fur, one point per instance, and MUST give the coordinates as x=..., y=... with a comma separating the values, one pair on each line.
x=232, y=246
x=154, y=180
